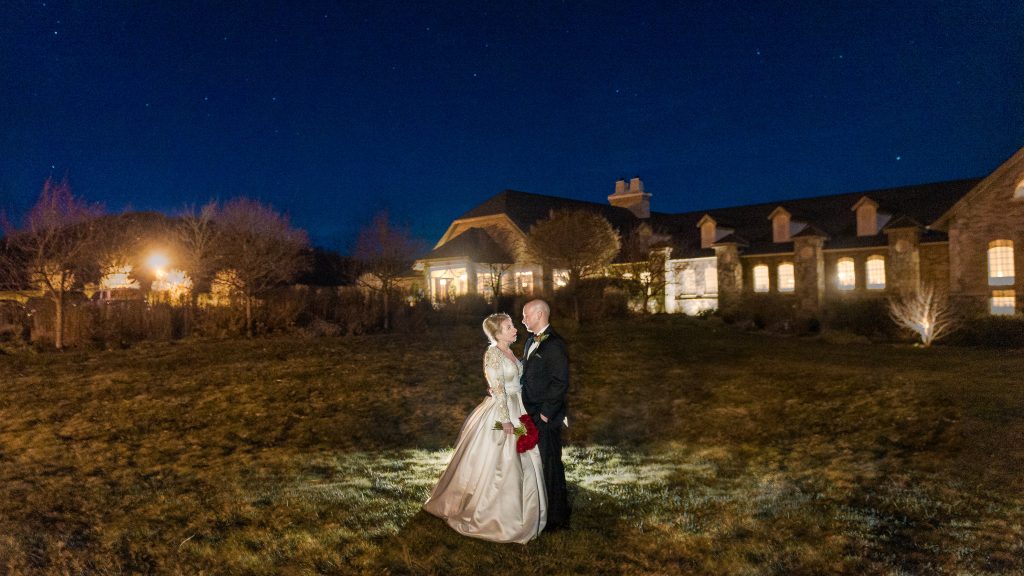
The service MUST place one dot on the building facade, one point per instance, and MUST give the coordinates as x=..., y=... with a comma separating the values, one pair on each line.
x=965, y=237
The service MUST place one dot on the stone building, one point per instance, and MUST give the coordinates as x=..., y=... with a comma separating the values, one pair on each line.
x=965, y=236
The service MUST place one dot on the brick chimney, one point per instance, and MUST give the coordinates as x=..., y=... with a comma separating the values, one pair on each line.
x=632, y=197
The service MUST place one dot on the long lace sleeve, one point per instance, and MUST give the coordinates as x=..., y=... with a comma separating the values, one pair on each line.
x=495, y=374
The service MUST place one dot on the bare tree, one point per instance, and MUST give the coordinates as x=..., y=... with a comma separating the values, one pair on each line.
x=925, y=312
x=385, y=253
x=196, y=236
x=261, y=247
x=579, y=241
x=55, y=246
x=514, y=245
x=643, y=256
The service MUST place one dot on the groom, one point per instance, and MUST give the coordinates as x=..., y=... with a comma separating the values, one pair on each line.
x=545, y=383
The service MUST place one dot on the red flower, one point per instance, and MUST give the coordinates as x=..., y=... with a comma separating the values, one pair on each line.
x=529, y=440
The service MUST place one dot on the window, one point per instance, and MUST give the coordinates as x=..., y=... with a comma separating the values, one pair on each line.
x=710, y=281
x=845, y=274
x=447, y=283
x=689, y=281
x=876, y=272
x=786, y=281
x=760, y=278
x=445, y=289
x=1000, y=263
x=1019, y=192
x=1003, y=302
x=560, y=277
x=483, y=285
x=524, y=282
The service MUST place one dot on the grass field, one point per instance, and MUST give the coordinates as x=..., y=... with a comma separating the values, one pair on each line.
x=693, y=449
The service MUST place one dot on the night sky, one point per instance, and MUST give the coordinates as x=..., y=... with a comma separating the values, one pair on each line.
x=332, y=111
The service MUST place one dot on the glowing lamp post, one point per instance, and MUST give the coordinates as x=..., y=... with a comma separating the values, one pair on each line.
x=158, y=263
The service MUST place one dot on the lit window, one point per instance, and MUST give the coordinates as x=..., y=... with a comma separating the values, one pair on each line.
x=1019, y=192
x=445, y=289
x=710, y=281
x=560, y=278
x=786, y=281
x=117, y=277
x=760, y=278
x=174, y=285
x=1000, y=263
x=1003, y=302
x=876, y=272
x=524, y=282
x=845, y=274
x=689, y=281
x=483, y=284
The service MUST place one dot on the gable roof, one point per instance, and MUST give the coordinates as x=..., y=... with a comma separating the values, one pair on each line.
x=475, y=244
x=1013, y=166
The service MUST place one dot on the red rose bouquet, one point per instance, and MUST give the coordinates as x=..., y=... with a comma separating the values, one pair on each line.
x=528, y=440
x=526, y=433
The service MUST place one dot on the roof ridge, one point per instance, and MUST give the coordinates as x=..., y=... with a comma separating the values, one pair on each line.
x=825, y=196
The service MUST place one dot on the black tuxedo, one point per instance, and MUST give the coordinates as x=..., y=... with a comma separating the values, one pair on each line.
x=545, y=385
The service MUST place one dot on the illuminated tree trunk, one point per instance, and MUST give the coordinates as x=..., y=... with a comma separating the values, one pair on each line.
x=387, y=310
x=58, y=329
x=248, y=315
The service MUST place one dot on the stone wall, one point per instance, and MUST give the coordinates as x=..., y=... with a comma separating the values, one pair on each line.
x=730, y=275
x=809, y=272
x=989, y=213
x=935, y=264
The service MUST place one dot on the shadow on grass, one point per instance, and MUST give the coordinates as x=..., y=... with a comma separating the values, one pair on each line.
x=602, y=541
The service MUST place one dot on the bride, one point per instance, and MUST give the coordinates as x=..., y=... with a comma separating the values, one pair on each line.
x=489, y=490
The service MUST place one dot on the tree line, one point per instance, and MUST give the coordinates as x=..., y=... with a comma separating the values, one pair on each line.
x=241, y=247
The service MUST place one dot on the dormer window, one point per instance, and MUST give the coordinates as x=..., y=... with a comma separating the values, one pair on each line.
x=708, y=230
x=867, y=216
x=780, y=225
x=711, y=232
x=869, y=220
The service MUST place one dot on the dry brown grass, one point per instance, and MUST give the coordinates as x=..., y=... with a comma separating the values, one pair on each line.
x=694, y=449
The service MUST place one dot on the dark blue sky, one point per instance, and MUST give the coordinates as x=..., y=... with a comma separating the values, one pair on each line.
x=332, y=110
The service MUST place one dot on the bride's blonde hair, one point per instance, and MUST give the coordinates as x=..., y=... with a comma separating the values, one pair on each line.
x=492, y=325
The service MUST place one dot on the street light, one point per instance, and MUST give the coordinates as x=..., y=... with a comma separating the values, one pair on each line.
x=158, y=262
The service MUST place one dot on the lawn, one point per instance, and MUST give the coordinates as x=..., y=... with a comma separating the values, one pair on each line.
x=693, y=449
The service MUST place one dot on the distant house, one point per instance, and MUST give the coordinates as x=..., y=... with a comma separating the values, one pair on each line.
x=963, y=235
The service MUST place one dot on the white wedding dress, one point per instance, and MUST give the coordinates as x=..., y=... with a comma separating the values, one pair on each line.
x=489, y=490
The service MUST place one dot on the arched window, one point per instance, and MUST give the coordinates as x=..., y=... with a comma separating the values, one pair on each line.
x=1019, y=192
x=845, y=274
x=760, y=278
x=1000, y=263
x=876, y=272
x=786, y=280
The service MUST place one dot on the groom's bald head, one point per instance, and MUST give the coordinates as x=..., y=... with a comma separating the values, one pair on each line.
x=536, y=314
x=540, y=306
